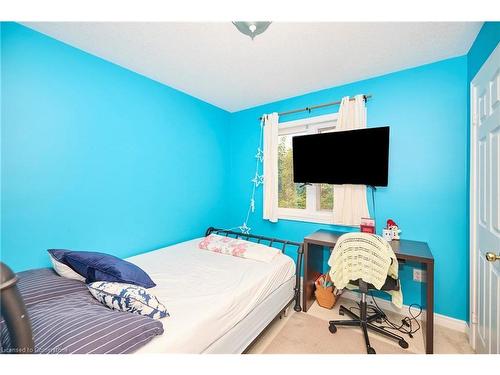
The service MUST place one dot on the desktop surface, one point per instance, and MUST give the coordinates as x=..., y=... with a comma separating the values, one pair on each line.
x=404, y=249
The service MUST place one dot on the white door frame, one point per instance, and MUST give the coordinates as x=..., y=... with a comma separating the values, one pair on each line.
x=472, y=220
x=473, y=209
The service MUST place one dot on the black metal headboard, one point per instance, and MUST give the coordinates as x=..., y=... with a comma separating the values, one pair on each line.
x=270, y=242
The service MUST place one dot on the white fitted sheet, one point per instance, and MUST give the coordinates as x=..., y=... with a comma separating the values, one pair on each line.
x=206, y=293
x=244, y=333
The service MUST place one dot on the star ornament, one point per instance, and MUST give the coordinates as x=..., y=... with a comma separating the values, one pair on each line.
x=258, y=180
x=260, y=155
x=244, y=228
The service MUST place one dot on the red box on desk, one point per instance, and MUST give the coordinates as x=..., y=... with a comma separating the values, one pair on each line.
x=367, y=225
x=367, y=229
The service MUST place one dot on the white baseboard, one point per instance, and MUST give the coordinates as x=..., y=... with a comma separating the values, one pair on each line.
x=439, y=319
x=442, y=320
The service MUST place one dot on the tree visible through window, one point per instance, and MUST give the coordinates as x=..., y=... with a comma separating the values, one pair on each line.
x=325, y=197
x=290, y=194
x=295, y=201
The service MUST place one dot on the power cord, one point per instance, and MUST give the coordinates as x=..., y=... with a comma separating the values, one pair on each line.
x=406, y=325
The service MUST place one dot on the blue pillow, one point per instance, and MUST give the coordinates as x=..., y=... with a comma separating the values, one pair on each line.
x=58, y=254
x=96, y=266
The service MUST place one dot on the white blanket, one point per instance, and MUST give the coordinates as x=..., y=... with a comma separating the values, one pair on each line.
x=206, y=293
x=364, y=256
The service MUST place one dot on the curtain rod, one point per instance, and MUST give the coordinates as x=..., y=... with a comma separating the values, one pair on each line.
x=309, y=109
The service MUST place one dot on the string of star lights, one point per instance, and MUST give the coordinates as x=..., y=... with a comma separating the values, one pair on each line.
x=257, y=180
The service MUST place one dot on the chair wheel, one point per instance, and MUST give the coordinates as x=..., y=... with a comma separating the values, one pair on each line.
x=371, y=350
x=403, y=344
x=341, y=313
x=332, y=328
x=379, y=321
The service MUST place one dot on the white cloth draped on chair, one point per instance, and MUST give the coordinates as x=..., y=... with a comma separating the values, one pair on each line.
x=350, y=202
x=271, y=167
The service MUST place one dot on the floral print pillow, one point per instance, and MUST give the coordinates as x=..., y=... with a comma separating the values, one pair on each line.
x=128, y=297
x=238, y=248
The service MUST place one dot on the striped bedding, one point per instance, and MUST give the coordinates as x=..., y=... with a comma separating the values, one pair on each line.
x=65, y=318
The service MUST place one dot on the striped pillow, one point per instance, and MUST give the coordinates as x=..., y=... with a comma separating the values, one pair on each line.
x=79, y=324
x=43, y=284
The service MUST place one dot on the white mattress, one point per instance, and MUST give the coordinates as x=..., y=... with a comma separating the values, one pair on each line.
x=244, y=333
x=206, y=293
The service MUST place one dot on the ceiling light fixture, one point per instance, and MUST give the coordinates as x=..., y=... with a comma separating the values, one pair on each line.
x=251, y=28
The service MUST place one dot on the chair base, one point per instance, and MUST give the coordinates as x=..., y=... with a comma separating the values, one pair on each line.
x=365, y=322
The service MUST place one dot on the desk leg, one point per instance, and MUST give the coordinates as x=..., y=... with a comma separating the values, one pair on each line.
x=313, y=267
x=428, y=297
x=300, y=259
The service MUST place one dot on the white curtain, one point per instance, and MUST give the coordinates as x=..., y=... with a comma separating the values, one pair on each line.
x=271, y=167
x=350, y=202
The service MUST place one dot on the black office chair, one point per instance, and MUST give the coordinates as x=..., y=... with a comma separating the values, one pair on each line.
x=364, y=321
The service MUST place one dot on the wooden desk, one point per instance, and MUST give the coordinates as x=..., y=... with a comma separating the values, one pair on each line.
x=405, y=250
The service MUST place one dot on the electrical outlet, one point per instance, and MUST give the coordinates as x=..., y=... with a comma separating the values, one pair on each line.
x=419, y=275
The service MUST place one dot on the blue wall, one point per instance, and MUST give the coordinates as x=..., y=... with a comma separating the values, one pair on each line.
x=484, y=44
x=1, y=131
x=426, y=109
x=97, y=157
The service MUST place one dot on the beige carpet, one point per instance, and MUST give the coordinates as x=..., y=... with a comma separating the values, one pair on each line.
x=306, y=334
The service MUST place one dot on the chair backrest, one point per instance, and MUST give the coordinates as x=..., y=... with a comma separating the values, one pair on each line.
x=362, y=256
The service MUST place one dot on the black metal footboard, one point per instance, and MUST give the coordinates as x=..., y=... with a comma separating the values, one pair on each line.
x=270, y=242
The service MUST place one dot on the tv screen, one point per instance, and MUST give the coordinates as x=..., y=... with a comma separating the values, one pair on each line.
x=342, y=157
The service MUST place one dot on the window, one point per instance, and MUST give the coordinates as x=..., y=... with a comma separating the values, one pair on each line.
x=312, y=203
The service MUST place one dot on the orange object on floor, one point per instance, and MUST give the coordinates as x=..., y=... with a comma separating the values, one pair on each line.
x=326, y=296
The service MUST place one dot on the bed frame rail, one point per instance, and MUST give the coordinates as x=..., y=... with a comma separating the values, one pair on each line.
x=268, y=241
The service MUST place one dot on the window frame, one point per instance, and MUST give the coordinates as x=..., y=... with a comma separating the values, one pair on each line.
x=311, y=125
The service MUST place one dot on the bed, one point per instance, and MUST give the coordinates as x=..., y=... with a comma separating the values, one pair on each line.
x=217, y=303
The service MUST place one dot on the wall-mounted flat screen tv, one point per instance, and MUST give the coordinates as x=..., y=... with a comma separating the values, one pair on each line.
x=343, y=157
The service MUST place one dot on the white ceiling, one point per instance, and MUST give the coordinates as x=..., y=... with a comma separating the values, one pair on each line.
x=216, y=63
